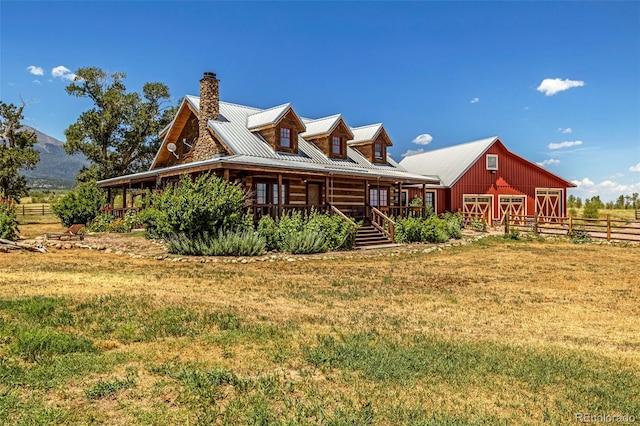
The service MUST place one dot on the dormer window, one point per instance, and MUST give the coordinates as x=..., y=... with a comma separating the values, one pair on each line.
x=336, y=145
x=378, y=150
x=285, y=137
x=492, y=162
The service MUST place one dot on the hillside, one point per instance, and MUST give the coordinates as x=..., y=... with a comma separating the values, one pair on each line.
x=56, y=168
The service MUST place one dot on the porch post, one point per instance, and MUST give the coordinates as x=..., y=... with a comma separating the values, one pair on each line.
x=400, y=212
x=109, y=196
x=326, y=191
x=124, y=196
x=424, y=200
x=366, y=198
x=226, y=175
x=280, y=194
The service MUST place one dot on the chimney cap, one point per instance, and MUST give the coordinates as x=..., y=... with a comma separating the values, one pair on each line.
x=209, y=74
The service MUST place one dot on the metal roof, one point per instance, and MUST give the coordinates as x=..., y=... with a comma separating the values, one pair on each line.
x=448, y=163
x=250, y=148
x=366, y=133
x=321, y=126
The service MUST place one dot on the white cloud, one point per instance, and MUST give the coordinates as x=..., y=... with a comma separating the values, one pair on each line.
x=551, y=161
x=584, y=183
x=526, y=108
x=423, y=139
x=565, y=144
x=36, y=81
x=35, y=70
x=551, y=86
x=635, y=168
x=475, y=100
x=565, y=131
x=63, y=73
x=412, y=152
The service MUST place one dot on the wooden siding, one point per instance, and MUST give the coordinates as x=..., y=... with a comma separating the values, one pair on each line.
x=366, y=148
x=514, y=176
x=272, y=134
x=324, y=143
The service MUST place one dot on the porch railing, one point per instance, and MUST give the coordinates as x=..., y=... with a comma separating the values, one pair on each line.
x=407, y=211
x=275, y=210
x=335, y=210
x=382, y=223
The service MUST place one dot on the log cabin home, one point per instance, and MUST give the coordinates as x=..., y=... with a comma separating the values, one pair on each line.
x=483, y=179
x=283, y=161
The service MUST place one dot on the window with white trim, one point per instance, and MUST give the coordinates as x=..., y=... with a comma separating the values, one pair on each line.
x=492, y=162
x=377, y=150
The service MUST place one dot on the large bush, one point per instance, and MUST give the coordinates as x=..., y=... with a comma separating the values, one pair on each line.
x=433, y=229
x=80, y=205
x=294, y=233
x=8, y=220
x=195, y=207
x=224, y=243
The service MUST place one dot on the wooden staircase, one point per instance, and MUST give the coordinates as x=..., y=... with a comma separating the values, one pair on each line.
x=368, y=236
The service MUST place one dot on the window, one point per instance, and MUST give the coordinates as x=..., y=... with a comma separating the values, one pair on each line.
x=492, y=162
x=429, y=199
x=378, y=198
x=336, y=145
x=285, y=137
x=261, y=193
x=377, y=150
x=267, y=193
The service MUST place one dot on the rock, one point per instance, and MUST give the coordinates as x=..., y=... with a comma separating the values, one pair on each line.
x=67, y=246
x=107, y=250
x=244, y=261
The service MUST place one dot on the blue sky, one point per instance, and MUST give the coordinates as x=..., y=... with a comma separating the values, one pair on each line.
x=558, y=82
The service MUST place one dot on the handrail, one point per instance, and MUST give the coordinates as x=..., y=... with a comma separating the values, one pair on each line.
x=379, y=219
x=335, y=210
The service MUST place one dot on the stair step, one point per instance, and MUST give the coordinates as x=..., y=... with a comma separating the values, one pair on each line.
x=369, y=236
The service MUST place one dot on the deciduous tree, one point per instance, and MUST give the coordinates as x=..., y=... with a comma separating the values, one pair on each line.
x=119, y=135
x=16, y=152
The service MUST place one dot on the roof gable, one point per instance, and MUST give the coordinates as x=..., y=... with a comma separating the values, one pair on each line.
x=369, y=133
x=325, y=126
x=271, y=117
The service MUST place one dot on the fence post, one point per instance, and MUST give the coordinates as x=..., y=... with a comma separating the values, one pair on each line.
x=43, y=210
x=570, y=225
x=535, y=224
x=506, y=223
x=608, y=227
x=23, y=210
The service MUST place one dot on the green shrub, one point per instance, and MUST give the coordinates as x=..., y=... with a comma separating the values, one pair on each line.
x=408, y=230
x=80, y=205
x=454, y=223
x=196, y=207
x=434, y=230
x=100, y=222
x=225, y=243
x=268, y=228
x=8, y=220
x=591, y=210
x=339, y=234
x=303, y=242
x=478, y=225
x=119, y=226
x=132, y=219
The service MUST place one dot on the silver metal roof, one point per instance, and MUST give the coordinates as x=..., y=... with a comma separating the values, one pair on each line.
x=250, y=148
x=366, y=133
x=448, y=163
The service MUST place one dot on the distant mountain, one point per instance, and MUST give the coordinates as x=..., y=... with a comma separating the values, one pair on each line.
x=56, y=169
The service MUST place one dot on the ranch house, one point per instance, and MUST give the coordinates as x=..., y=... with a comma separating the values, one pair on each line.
x=283, y=160
x=483, y=179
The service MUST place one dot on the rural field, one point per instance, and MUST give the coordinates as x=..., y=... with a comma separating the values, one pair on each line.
x=490, y=332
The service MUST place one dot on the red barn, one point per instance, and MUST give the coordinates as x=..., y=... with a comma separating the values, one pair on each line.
x=483, y=178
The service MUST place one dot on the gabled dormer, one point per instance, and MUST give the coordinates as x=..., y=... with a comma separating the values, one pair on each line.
x=330, y=135
x=279, y=126
x=372, y=142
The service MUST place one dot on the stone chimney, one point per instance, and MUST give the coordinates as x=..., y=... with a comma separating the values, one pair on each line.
x=206, y=147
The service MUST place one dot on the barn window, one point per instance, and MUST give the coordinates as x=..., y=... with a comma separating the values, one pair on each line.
x=492, y=162
x=430, y=199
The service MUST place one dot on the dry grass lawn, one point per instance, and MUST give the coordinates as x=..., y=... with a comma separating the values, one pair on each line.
x=494, y=331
